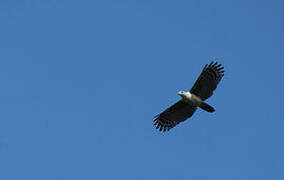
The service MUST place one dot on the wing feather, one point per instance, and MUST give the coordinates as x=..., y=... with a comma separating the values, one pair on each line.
x=208, y=80
x=173, y=115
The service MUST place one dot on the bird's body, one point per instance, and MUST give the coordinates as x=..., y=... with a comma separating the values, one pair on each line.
x=183, y=109
x=190, y=98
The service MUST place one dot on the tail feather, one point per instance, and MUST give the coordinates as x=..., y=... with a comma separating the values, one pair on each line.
x=206, y=107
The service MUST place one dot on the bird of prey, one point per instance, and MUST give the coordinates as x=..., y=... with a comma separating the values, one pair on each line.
x=183, y=109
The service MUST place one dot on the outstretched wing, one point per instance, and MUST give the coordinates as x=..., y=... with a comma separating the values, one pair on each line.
x=208, y=80
x=175, y=114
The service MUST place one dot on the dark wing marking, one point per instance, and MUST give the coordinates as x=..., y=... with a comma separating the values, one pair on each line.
x=173, y=115
x=208, y=80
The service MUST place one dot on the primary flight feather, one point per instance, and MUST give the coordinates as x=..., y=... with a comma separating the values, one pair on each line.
x=183, y=109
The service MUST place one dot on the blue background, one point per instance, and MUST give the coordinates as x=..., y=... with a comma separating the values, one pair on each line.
x=82, y=80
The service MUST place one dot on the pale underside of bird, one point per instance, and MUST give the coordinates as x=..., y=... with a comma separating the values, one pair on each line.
x=183, y=109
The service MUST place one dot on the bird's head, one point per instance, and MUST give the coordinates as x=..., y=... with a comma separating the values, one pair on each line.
x=182, y=93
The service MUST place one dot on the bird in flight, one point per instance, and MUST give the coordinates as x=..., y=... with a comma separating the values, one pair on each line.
x=183, y=109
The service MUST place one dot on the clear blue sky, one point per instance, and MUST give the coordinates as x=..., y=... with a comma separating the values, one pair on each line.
x=82, y=80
